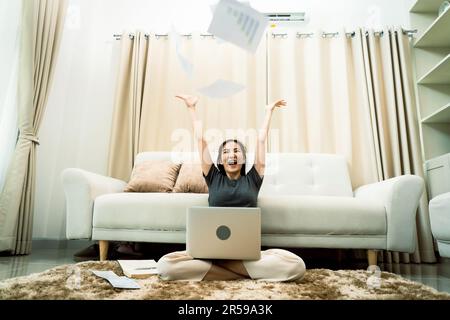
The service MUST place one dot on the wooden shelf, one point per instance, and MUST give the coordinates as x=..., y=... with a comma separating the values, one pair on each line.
x=437, y=35
x=426, y=6
x=440, y=74
x=440, y=116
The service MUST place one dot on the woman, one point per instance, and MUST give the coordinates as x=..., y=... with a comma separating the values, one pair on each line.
x=229, y=185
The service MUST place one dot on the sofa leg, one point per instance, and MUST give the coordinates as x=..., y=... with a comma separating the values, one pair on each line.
x=372, y=257
x=103, y=244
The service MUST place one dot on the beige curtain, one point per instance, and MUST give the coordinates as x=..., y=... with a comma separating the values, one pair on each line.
x=322, y=80
x=353, y=96
x=43, y=22
x=162, y=122
x=393, y=113
x=128, y=105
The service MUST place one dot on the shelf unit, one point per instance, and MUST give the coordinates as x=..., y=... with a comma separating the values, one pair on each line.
x=426, y=6
x=441, y=115
x=434, y=35
x=440, y=74
x=432, y=70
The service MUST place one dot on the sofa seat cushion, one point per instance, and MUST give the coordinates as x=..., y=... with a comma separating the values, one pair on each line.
x=321, y=215
x=145, y=211
x=315, y=215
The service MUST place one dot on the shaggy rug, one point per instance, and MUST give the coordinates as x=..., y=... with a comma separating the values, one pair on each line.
x=79, y=283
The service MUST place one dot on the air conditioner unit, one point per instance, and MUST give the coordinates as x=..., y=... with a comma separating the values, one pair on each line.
x=286, y=17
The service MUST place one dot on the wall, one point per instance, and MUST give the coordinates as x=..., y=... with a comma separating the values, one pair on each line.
x=76, y=127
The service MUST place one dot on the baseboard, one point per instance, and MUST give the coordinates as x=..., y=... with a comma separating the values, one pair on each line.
x=61, y=244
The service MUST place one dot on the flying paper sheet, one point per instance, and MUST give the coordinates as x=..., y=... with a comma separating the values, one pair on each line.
x=213, y=10
x=221, y=89
x=239, y=24
x=187, y=66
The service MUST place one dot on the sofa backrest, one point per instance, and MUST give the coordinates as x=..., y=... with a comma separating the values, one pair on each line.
x=286, y=173
x=306, y=174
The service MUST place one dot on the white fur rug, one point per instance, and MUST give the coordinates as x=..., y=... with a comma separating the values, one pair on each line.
x=77, y=282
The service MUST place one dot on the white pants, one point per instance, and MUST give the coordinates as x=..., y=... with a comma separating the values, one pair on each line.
x=274, y=265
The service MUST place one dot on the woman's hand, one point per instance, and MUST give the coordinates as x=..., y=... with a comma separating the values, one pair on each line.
x=190, y=101
x=276, y=104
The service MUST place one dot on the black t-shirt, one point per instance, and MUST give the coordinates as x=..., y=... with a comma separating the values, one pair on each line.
x=224, y=192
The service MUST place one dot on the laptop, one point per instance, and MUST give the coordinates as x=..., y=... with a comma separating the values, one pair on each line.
x=223, y=233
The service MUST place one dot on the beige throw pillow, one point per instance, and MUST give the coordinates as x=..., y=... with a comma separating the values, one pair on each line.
x=153, y=176
x=190, y=179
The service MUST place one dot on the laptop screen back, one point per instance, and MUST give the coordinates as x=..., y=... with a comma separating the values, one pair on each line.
x=223, y=233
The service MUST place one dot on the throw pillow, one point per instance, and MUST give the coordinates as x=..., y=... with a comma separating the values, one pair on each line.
x=190, y=179
x=153, y=176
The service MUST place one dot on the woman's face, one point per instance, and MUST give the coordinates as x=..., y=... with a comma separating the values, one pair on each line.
x=232, y=157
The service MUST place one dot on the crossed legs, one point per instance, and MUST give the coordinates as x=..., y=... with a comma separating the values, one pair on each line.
x=274, y=265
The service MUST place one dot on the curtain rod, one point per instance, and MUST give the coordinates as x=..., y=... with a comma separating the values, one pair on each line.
x=157, y=36
x=351, y=34
x=348, y=34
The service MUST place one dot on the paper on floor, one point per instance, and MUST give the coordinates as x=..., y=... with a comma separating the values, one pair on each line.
x=239, y=24
x=138, y=268
x=221, y=89
x=116, y=281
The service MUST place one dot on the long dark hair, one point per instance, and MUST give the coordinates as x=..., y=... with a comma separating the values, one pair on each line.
x=219, y=157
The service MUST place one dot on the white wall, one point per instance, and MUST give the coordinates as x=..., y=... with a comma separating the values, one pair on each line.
x=76, y=127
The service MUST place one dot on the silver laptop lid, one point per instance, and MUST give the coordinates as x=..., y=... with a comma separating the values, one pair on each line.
x=223, y=233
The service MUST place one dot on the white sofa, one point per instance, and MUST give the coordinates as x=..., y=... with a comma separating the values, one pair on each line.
x=306, y=201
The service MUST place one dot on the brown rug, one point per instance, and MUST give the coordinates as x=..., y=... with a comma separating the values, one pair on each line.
x=77, y=282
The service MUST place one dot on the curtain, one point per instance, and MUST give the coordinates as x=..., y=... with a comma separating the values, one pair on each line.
x=390, y=84
x=184, y=64
x=352, y=96
x=322, y=80
x=10, y=18
x=128, y=105
x=41, y=34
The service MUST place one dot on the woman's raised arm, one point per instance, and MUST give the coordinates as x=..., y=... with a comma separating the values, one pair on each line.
x=260, y=154
x=205, y=156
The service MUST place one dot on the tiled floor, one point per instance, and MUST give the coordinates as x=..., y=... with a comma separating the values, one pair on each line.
x=40, y=260
x=435, y=275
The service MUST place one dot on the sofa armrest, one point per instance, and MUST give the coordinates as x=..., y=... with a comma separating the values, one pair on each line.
x=400, y=196
x=81, y=188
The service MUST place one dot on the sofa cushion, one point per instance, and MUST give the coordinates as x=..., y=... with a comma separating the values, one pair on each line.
x=190, y=179
x=153, y=176
x=321, y=215
x=145, y=211
x=311, y=215
x=292, y=174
